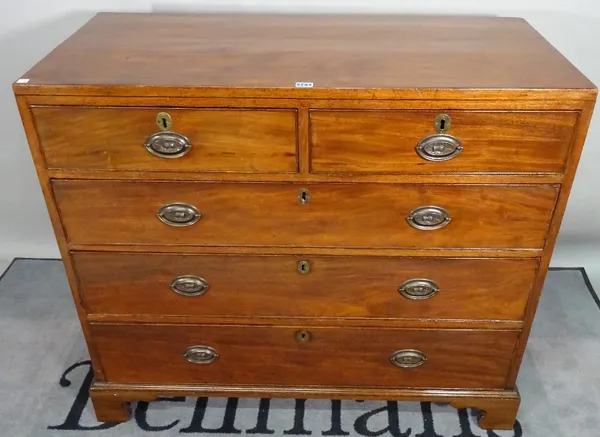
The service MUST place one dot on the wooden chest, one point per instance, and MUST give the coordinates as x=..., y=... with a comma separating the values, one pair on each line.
x=334, y=207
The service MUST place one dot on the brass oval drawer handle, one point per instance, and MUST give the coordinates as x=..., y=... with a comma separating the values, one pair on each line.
x=168, y=145
x=439, y=147
x=428, y=218
x=200, y=354
x=189, y=285
x=408, y=358
x=419, y=289
x=178, y=214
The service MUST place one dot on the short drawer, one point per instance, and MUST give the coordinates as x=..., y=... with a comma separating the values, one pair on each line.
x=308, y=215
x=168, y=139
x=208, y=354
x=304, y=286
x=484, y=141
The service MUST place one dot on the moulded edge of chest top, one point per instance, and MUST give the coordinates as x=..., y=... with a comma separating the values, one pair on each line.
x=30, y=88
x=345, y=99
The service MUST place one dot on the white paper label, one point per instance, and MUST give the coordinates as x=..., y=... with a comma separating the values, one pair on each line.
x=22, y=80
x=304, y=84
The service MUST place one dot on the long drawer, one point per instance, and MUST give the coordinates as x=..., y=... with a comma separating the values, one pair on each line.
x=168, y=139
x=367, y=357
x=472, y=141
x=304, y=286
x=307, y=215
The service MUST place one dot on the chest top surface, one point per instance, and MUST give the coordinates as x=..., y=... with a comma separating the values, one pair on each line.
x=114, y=53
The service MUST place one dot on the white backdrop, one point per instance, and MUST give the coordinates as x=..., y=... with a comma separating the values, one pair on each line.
x=29, y=29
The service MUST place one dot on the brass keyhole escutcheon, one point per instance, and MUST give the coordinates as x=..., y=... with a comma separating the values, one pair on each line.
x=303, y=336
x=442, y=123
x=303, y=196
x=303, y=267
x=164, y=121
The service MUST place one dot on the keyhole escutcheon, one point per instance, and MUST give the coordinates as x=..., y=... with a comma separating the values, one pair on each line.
x=164, y=121
x=303, y=267
x=442, y=123
x=303, y=196
x=303, y=336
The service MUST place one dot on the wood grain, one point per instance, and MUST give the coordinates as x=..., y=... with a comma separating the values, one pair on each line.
x=494, y=412
x=570, y=100
x=45, y=184
x=335, y=287
x=108, y=408
x=407, y=178
x=494, y=142
x=303, y=322
x=573, y=161
x=225, y=54
x=333, y=356
x=226, y=140
x=341, y=215
x=304, y=251
x=498, y=408
x=521, y=110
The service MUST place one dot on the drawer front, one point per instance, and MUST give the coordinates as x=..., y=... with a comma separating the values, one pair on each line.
x=319, y=356
x=282, y=286
x=385, y=141
x=219, y=140
x=330, y=215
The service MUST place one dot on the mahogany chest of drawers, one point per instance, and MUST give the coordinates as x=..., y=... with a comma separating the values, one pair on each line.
x=308, y=206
